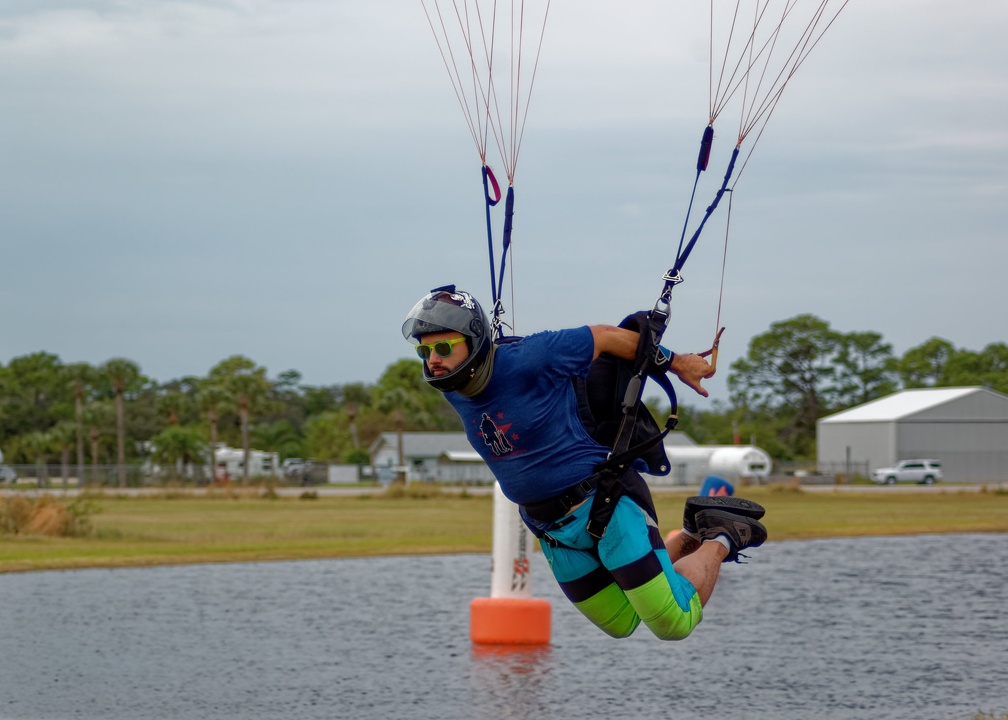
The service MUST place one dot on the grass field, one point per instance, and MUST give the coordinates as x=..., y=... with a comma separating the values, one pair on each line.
x=238, y=527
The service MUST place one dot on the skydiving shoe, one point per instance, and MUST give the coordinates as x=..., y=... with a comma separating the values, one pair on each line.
x=742, y=532
x=737, y=505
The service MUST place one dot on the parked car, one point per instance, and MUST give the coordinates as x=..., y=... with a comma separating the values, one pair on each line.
x=918, y=471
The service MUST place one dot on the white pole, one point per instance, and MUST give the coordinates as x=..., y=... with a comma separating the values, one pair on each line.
x=512, y=551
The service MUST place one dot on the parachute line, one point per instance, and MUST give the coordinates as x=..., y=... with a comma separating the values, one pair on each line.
x=492, y=106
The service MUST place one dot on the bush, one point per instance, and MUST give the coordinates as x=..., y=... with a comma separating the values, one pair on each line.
x=46, y=516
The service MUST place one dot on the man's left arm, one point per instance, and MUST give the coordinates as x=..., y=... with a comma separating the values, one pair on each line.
x=689, y=367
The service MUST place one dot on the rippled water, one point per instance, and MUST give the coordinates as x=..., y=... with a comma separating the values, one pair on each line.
x=878, y=628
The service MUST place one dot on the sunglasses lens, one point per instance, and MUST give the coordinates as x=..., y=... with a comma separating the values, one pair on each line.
x=423, y=351
x=443, y=349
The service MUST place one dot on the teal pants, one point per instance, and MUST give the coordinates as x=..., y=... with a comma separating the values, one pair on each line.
x=625, y=578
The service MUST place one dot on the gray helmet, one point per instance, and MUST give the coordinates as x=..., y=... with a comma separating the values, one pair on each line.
x=446, y=309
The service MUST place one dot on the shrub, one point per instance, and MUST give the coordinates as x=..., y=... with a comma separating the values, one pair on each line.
x=46, y=515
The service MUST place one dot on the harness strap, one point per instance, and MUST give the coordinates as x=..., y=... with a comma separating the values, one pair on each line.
x=554, y=508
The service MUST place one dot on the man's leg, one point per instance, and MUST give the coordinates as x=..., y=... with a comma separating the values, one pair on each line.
x=592, y=590
x=702, y=566
x=633, y=551
x=679, y=545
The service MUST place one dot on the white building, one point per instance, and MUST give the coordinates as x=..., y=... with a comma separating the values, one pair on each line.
x=691, y=463
x=421, y=453
x=230, y=462
x=966, y=429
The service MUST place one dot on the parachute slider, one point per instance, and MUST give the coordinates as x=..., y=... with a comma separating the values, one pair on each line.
x=712, y=353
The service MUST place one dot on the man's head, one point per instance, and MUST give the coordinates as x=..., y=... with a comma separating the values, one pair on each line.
x=452, y=336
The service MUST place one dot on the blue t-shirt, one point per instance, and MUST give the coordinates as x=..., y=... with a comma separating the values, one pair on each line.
x=525, y=423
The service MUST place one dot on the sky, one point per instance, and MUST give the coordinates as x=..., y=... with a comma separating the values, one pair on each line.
x=185, y=181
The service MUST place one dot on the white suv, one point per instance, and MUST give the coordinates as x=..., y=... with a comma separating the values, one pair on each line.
x=918, y=471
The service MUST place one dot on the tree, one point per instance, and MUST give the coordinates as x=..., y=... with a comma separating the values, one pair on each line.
x=98, y=419
x=63, y=436
x=124, y=376
x=247, y=384
x=212, y=400
x=177, y=444
x=33, y=391
x=327, y=436
x=279, y=437
x=39, y=444
x=988, y=368
x=173, y=405
x=788, y=372
x=427, y=408
x=318, y=400
x=924, y=365
x=354, y=396
x=80, y=377
x=867, y=368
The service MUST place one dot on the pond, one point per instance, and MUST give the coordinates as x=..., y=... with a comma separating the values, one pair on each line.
x=876, y=628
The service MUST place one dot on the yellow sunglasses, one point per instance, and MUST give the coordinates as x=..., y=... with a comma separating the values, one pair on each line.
x=442, y=347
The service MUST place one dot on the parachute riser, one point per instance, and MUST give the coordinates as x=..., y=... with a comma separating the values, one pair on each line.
x=497, y=279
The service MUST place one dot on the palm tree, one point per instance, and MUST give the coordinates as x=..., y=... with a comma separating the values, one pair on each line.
x=80, y=376
x=97, y=418
x=63, y=435
x=247, y=390
x=173, y=404
x=279, y=437
x=247, y=384
x=213, y=399
x=38, y=444
x=124, y=375
x=177, y=444
x=355, y=395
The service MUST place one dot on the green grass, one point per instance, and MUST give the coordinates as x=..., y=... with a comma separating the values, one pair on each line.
x=174, y=529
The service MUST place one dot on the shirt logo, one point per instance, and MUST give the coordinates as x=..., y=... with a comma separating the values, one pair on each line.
x=494, y=437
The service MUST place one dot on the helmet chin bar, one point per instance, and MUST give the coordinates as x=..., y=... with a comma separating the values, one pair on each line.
x=455, y=380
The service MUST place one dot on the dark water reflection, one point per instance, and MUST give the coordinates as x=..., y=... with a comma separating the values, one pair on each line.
x=874, y=628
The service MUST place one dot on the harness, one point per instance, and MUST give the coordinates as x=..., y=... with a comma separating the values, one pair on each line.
x=610, y=406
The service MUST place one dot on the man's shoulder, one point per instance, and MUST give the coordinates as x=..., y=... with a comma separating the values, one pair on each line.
x=545, y=336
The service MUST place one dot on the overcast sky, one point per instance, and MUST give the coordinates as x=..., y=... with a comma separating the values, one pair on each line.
x=184, y=181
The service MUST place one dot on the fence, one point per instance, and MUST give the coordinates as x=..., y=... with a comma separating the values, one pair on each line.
x=66, y=477
x=73, y=476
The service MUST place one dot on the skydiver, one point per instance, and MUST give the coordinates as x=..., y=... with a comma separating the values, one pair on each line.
x=522, y=393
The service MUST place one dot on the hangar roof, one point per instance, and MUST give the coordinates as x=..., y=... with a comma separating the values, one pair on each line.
x=900, y=405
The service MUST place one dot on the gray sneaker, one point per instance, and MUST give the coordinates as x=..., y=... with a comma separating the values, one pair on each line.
x=743, y=532
x=737, y=505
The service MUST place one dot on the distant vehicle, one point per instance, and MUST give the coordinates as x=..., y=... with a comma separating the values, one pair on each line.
x=7, y=474
x=918, y=471
x=293, y=466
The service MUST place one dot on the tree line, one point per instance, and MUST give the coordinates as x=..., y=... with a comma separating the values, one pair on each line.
x=802, y=369
x=112, y=414
x=84, y=415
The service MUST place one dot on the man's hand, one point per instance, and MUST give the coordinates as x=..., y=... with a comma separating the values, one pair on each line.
x=691, y=369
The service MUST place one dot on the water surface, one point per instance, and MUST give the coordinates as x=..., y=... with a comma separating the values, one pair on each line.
x=874, y=628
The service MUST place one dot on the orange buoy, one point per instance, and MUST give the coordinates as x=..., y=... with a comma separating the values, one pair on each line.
x=510, y=621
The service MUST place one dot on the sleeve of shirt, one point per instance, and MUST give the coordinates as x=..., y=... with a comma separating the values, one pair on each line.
x=566, y=353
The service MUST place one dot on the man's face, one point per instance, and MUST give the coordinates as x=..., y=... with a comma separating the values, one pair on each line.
x=439, y=366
